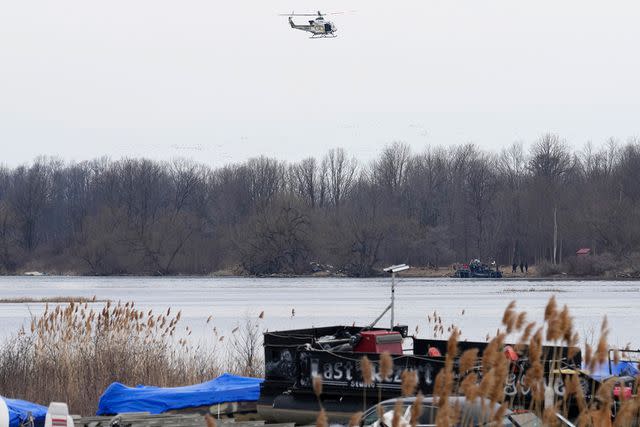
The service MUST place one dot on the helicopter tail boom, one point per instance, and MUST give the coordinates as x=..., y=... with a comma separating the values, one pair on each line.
x=300, y=27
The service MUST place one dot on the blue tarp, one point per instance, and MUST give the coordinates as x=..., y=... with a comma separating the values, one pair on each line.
x=118, y=398
x=19, y=412
x=622, y=368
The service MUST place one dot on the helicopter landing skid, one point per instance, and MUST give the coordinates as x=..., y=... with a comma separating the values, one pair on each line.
x=323, y=36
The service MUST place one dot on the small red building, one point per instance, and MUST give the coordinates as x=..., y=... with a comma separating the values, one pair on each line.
x=583, y=252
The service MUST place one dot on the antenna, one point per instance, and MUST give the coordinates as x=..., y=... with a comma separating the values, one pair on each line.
x=393, y=270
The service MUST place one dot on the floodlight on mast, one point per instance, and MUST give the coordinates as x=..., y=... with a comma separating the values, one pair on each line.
x=393, y=270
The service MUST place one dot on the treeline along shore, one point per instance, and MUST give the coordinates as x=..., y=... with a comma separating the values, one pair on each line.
x=433, y=208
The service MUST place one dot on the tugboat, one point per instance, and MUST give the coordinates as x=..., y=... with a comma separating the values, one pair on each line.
x=294, y=357
x=478, y=270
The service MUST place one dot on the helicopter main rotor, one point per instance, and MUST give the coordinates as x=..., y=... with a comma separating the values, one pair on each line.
x=318, y=13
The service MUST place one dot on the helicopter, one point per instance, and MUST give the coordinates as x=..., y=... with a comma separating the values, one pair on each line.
x=318, y=27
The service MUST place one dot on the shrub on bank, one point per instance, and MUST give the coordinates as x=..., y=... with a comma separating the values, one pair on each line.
x=605, y=264
x=545, y=268
x=594, y=265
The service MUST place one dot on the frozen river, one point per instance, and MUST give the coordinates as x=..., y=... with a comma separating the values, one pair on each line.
x=330, y=301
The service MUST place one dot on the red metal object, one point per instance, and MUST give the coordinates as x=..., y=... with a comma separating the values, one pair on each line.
x=622, y=392
x=58, y=422
x=434, y=352
x=511, y=354
x=379, y=341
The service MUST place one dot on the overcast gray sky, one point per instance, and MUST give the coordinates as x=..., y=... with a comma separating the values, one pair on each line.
x=221, y=81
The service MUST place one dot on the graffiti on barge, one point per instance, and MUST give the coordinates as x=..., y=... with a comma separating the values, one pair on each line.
x=340, y=371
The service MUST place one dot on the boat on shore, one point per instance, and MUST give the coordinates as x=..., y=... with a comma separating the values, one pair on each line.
x=478, y=270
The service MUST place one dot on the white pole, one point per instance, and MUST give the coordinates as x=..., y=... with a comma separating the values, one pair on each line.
x=393, y=295
x=555, y=235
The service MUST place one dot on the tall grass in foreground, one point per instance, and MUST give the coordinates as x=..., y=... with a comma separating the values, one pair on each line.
x=484, y=376
x=488, y=382
x=72, y=353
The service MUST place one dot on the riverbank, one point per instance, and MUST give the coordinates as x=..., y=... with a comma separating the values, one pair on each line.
x=532, y=273
x=435, y=275
x=415, y=272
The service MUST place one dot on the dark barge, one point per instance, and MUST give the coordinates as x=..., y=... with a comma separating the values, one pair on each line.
x=294, y=357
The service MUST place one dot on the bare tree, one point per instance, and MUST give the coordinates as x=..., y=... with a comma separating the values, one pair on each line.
x=550, y=164
x=481, y=188
x=306, y=181
x=341, y=174
x=265, y=179
x=365, y=230
x=275, y=241
x=550, y=158
x=437, y=206
x=8, y=260
x=29, y=196
x=186, y=178
x=427, y=187
x=513, y=173
x=390, y=170
x=512, y=165
x=246, y=349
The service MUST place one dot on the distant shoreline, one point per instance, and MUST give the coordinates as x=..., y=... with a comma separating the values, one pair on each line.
x=414, y=273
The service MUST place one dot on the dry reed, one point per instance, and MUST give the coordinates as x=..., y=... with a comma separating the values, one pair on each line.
x=85, y=348
x=317, y=385
x=488, y=379
x=386, y=365
x=209, y=420
x=322, y=419
x=409, y=383
x=416, y=410
x=397, y=414
x=468, y=360
x=367, y=370
x=546, y=365
x=355, y=419
x=367, y=378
